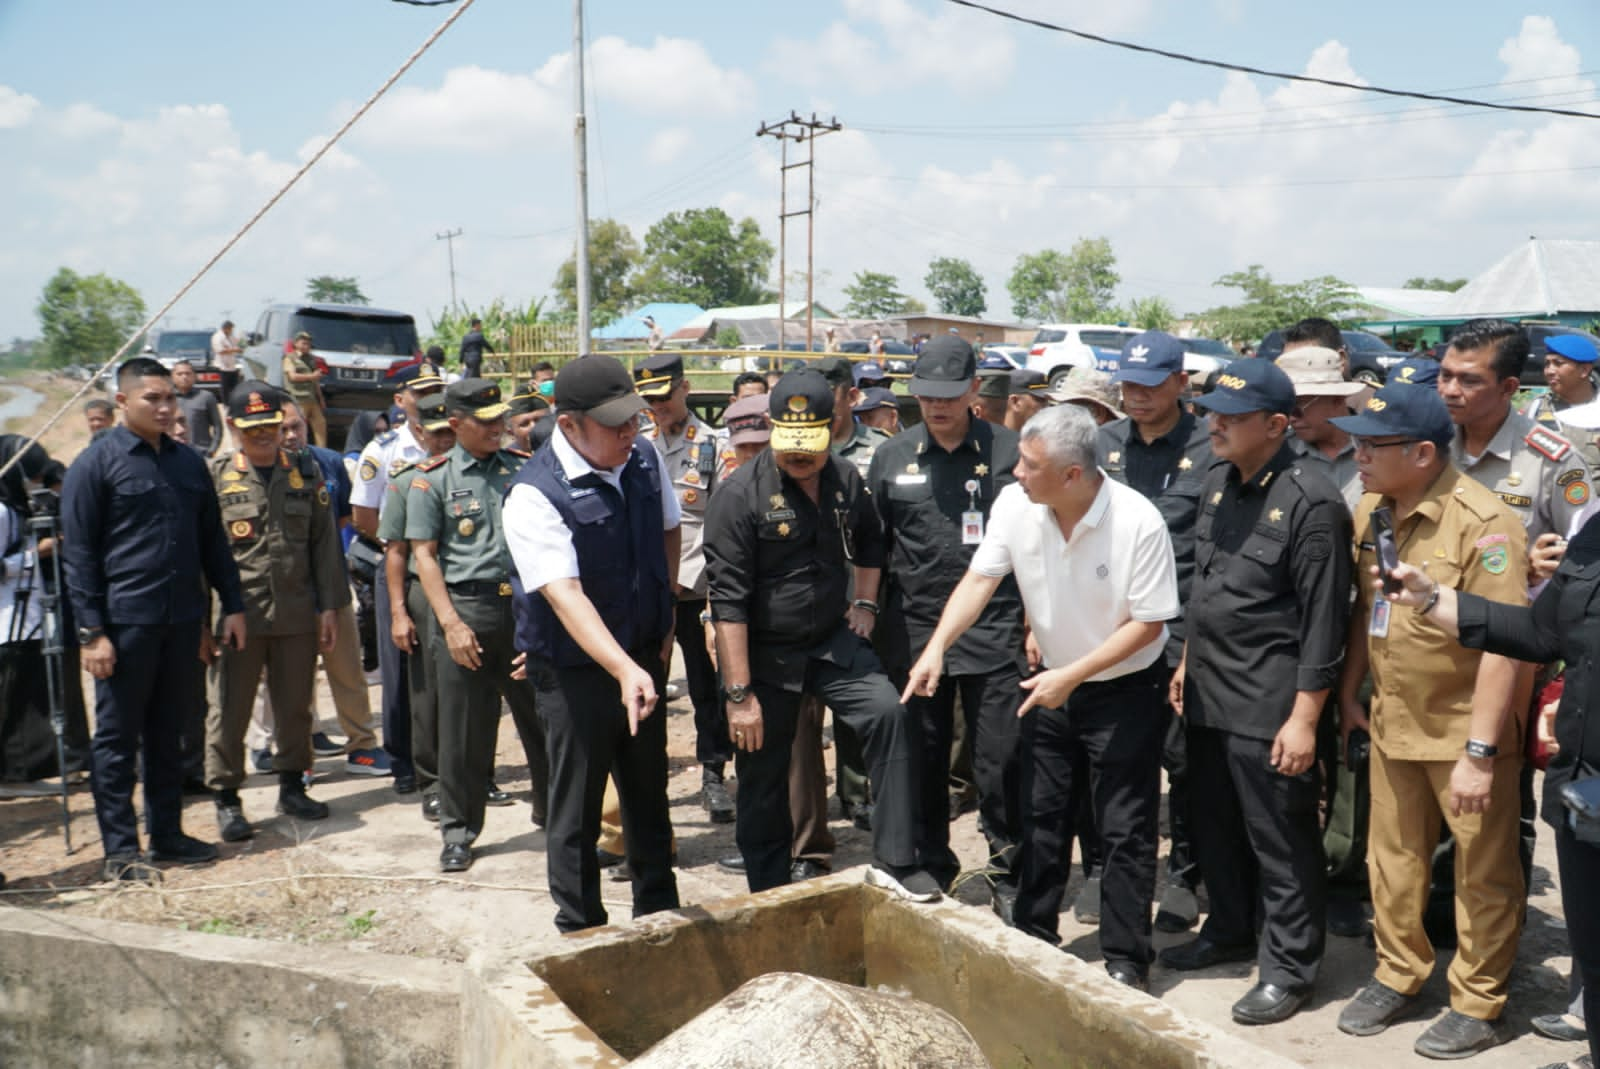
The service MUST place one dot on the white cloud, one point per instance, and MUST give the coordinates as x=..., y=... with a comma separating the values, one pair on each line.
x=667, y=145
x=673, y=76
x=15, y=108
x=881, y=44
x=473, y=108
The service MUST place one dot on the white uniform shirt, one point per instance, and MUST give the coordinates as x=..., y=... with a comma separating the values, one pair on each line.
x=19, y=585
x=383, y=456
x=224, y=360
x=540, y=543
x=1118, y=566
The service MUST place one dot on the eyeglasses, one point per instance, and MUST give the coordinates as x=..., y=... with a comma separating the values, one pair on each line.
x=1367, y=445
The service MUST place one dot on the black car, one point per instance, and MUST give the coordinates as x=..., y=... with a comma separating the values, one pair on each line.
x=170, y=346
x=1370, y=356
x=897, y=355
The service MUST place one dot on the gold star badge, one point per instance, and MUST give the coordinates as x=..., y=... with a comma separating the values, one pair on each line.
x=1114, y=457
x=981, y=469
x=1514, y=479
x=1275, y=515
x=1185, y=464
x=911, y=469
x=783, y=530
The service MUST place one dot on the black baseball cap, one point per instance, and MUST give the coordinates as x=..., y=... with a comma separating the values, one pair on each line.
x=1030, y=383
x=868, y=373
x=418, y=378
x=599, y=387
x=255, y=404
x=527, y=401
x=656, y=376
x=1149, y=359
x=432, y=412
x=802, y=413
x=479, y=398
x=1417, y=371
x=875, y=397
x=837, y=370
x=994, y=383
x=1403, y=409
x=1253, y=385
x=945, y=368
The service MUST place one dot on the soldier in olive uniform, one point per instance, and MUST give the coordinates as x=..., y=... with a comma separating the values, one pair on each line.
x=453, y=524
x=688, y=448
x=411, y=624
x=279, y=522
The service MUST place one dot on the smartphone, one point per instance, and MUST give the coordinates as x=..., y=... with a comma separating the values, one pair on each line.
x=1388, y=552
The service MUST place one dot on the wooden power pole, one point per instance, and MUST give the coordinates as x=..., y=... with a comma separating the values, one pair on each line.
x=800, y=131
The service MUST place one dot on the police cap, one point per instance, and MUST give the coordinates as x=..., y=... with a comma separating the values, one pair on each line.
x=801, y=406
x=657, y=375
x=255, y=404
x=478, y=398
x=1400, y=409
x=1252, y=385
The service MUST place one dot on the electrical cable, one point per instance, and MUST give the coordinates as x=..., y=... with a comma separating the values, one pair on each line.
x=250, y=223
x=1184, y=57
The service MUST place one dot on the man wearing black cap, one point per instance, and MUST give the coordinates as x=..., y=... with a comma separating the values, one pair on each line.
x=994, y=392
x=1444, y=748
x=1163, y=451
x=526, y=411
x=1266, y=636
x=933, y=487
x=593, y=528
x=1030, y=391
x=879, y=409
x=783, y=536
x=278, y=516
x=688, y=448
x=457, y=536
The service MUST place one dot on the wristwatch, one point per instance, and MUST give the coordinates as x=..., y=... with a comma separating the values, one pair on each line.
x=1481, y=749
x=87, y=635
x=736, y=693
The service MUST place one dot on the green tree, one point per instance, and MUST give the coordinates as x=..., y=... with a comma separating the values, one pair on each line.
x=85, y=318
x=956, y=286
x=702, y=257
x=614, y=260
x=1448, y=285
x=329, y=289
x=1270, y=305
x=729, y=338
x=1149, y=313
x=498, y=318
x=1072, y=287
x=873, y=295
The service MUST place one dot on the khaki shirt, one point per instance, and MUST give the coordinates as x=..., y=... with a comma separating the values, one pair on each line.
x=283, y=539
x=859, y=447
x=1534, y=470
x=455, y=501
x=1422, y=679
x=690, y=461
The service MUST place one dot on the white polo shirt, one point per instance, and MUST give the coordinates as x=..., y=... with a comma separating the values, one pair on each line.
x=540, y=543
x=1117, y=566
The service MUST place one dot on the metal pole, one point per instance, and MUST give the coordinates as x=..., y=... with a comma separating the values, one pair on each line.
x=449, y=239
x=811, y=225
x=783, y=230
x=581, y=160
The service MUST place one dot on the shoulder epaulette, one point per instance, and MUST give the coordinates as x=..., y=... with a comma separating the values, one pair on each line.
x=1547, y=443
x=520, y=454
x=433, y=462
x=386, y=437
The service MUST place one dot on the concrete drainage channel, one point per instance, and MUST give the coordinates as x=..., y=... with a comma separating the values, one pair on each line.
x=96, y=994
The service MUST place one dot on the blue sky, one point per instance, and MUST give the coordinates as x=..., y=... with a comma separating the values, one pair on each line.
x=137, y=137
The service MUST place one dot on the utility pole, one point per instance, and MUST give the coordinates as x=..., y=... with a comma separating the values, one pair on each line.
x=449, y=239
x=581, y=162
x=800, y=131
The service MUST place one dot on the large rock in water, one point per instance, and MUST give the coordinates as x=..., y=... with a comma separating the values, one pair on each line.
x=794, y=1021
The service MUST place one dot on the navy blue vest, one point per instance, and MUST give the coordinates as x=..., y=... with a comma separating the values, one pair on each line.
x=622, y=561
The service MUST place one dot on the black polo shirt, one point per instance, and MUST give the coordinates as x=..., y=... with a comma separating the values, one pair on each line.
x=920, y=490
x=1270, y=603
x=781, y=564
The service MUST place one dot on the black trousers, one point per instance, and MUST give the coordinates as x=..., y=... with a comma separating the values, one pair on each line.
x=469, y=716
x=422, y=690
x=586, y=729
x=1261, y=853
x=1182, y=865
x=140, y=711
x=396, y=705
x=1579, y=864
x=712, y=747
x=860, y=695
x=1117, y=725
x=990, y=702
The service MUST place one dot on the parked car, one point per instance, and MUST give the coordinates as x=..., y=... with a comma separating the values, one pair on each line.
x=1059, y=347
x=1015, y=355
x=897, y=355
x=358, y=349
x=1370, y=356
x=170, y=346
x=1204, y=357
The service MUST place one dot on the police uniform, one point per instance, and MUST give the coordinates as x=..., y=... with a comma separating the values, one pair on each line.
x=1268, y=616
x=934, y=504
x=690, y=461
x=780, y=563
x=607, y=529
x=1546, y=411
x=1535, y=471
x=280, y=526
x=379, y=461
x=1422, y=696
x=454, y=503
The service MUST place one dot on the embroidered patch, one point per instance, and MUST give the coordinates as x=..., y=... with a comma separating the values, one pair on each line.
x=1485, y=542
x=1567, y=477
x=322, y=495
x=1495, y=560
x=1548, y=443
x=690, y=497
x=419, y=483
x=242, y=529
x=1577, y=493
x=1517, y=501
x=369, y=469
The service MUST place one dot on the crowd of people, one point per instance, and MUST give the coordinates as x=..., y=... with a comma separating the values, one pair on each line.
x=1337, y=619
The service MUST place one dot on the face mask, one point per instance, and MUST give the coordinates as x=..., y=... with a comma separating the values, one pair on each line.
x=547, y=388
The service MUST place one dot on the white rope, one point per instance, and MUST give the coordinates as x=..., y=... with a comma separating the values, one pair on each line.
x=243, y=230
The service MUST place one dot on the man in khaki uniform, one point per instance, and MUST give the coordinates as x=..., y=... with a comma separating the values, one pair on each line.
x=1443, y=746
x=278, y=518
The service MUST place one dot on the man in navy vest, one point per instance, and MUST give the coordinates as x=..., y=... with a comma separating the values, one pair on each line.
x=593, y=527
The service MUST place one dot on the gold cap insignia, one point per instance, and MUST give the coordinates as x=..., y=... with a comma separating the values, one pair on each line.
x=1275, y=515
x=1114, y=457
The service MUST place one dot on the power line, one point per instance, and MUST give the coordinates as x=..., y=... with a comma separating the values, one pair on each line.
x=1184, y=57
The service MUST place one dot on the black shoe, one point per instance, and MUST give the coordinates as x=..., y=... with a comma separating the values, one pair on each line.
x=1455, y=1035
x=732, y=863
x=805, y=869
x=1202, y=953
x=1562, y=1027
x=1269, y=1004
x=1086, y=907
x=607, y=859
x=294, y=802
x=455, y=857
x=405, y=783
x=497, y=797
x=714, y=796
x=962, y=803
x=1178, y=910
x=1374, y=1008
x=430, y=808
x=129, y=869
x=183, y=849
x=1125, y=974
x=231, y=824
x=860, y=815
x=1347, y=918
x=1003, y=900
x=195, y=785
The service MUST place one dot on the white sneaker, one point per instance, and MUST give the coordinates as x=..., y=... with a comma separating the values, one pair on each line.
x=911, y=884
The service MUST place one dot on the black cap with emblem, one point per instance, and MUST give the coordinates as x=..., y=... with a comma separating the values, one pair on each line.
x=600, y=388
x=432, y=413
x=945, y=368
x=802, y=413
x=657, y=375
x=255, y=404
x=478, y=398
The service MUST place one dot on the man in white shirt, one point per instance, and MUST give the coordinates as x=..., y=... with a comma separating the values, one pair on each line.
x=225, y=355
x=1095, y=566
